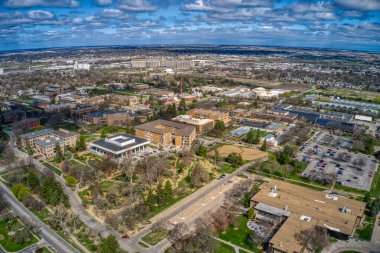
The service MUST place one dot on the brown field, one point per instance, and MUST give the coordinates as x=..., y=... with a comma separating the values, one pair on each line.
x=249, y=154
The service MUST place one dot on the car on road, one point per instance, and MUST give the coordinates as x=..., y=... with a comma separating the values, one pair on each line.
x=125, y=237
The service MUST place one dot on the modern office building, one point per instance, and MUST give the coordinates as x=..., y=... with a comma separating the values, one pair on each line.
x=294, y=209
x=118, y=146
x=201, y=125
x=167, y=133
x=210, y=114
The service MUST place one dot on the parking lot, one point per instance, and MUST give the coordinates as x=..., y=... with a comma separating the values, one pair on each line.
x=336, y=162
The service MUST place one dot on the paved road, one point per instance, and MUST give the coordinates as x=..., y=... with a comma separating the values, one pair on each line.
x=355, y=245
x=131, y=245
x=44, y=231
x=376, y=231
x=190, y=208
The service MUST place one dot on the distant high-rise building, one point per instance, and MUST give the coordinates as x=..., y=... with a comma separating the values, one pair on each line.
x=1, y=71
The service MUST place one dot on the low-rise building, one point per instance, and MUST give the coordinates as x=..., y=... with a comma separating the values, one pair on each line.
x=201, y=125
x=54, y=90
x=12, y=115
x=81, y=110
x=47, y=147
x=119, y=146
x=124, y=99
x=295, y=209
x=210, y=114
x=30, y=139
x=167, y=133
x=95, y=100
x=112, y=117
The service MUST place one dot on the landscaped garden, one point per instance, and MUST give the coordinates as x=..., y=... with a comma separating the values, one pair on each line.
x=14, y=236
x=155, y=236
x=239, y=234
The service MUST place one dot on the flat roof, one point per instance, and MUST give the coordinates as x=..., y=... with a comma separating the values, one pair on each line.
x=315, y=204
x=156, y=127
x=193, y=121
x=48, y=142
x=63, y=133
x=285, y=238
x=119, y=142
x=36, y=133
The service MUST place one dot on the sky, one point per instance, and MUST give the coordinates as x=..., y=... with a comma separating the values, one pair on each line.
x=339, y=24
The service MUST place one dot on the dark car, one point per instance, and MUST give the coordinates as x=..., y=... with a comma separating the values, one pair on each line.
x=125, y=237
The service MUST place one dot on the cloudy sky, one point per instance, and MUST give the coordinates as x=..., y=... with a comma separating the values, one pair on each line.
x=343, y=24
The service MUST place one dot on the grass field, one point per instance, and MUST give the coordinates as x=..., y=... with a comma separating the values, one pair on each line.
x=239, y=236
x=366, y=232
x=155, y=236
x=7, y=243
x=223, y=248
x=248, y=154
x=375, y=187
x=350, y=94
x=227, y=169
x=51, y=167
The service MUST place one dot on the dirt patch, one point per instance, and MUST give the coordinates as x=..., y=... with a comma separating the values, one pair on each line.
x=247, y=153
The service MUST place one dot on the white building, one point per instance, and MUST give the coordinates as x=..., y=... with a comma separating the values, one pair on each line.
x=1, y=71
x=81, y=66
x=119, y=146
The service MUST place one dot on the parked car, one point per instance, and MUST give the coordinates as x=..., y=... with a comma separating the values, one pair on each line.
x=125, y=237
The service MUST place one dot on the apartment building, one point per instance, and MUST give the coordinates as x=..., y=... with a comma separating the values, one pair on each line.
x=47, y=147
x=201, y=125
x=45, y=140
x=112, y=117
x=30, y=139
x=167, y=133
x=210, y=114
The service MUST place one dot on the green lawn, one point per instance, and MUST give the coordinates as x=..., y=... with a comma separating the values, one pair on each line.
x=162, y=207
x=375, y=188
x=349, y=189
x=10, y=245
x=67, y=126
x=107, y=185
x=86, y=241
x=227, y=169
x=223, y=248
x=51, y=167
x=155, y=236
x=366, y=232
x=239, y=236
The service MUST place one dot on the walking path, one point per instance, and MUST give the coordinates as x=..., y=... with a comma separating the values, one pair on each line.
x=237, y=248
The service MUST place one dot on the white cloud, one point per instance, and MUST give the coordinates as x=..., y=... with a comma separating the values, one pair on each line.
x=40, y=15
x=103, y=2
x=136, y=5
x=41, y=3
x=361, y=5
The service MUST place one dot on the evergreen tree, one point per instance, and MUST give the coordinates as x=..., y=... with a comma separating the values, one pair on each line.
x=167, y=191
x=201, y=151
x=160, y=193
x=151, y=199
x=216, y=155
x=375, y=207
x=182, y=106
x=58, y=151
x=264, y=147
x=80, y=145
x=109, y=245
x=103, y=134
